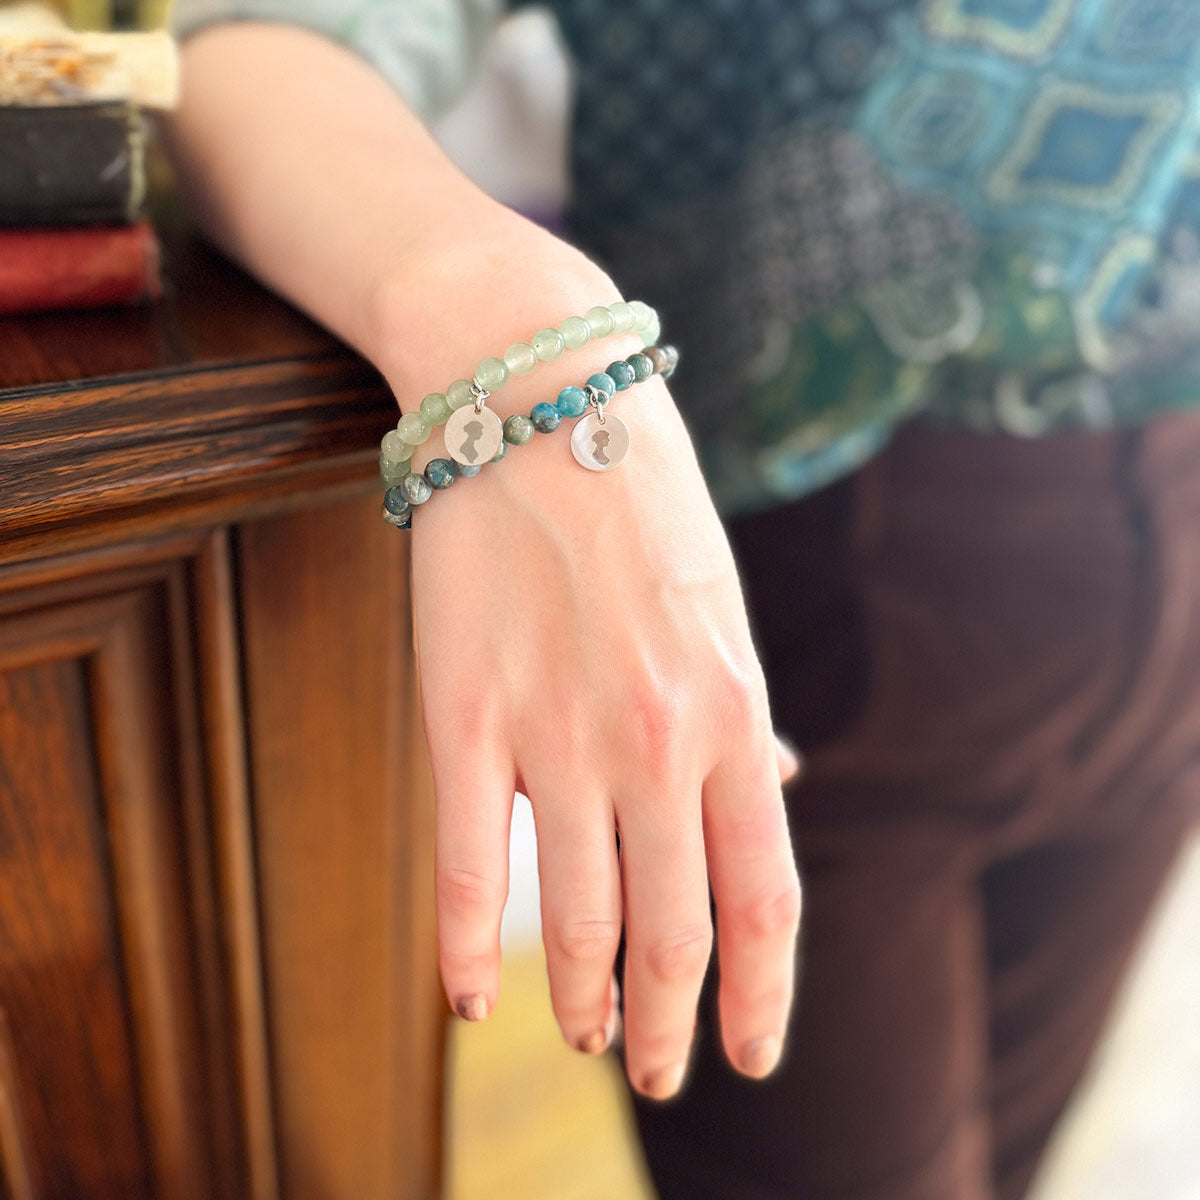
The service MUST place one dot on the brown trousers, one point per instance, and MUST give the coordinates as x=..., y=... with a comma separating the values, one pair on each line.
x=989, y=652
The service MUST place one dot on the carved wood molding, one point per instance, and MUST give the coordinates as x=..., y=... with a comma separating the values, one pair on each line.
x=102, y=460
x=156, y=641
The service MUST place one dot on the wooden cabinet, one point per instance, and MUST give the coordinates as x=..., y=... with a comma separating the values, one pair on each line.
x=217, y=967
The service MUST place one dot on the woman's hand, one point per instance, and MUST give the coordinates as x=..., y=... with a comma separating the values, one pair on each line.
x=583, y=639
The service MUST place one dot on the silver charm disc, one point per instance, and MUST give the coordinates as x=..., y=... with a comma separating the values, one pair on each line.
x=600, y=447
x=472, y=438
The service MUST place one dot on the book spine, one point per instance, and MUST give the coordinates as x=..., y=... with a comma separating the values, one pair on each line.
x=91, y=267
x=76, y=164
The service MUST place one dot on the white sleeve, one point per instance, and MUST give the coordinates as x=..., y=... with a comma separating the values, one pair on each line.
x=426, y=49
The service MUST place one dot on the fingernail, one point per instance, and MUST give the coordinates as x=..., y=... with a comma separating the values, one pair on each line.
x=472, y=1008
x=596, y=1042
x=760, y=1057
x=662, y=1085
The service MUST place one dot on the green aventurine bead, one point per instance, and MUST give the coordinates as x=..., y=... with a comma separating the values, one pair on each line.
x=435, y=409
x=576, y=332
x=458, y=394
x=520, y=358
x=416, y=489
x=440, y=473
x=642, y=314
x=413, y=429
x=622, y=316
x=600, y=321
x=391, y=473
x=643, y=368
x=547, y=344
x=518, y=429
x=394, y=448
x=491, y=374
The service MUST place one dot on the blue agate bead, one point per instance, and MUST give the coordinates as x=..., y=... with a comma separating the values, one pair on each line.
x=416, y=489
x=440, y=473
x=572, y=402
x=643, y=368
x=603, y=382
x=396, y=502
x=545, y=417
x=467, y=472
x=621, y=374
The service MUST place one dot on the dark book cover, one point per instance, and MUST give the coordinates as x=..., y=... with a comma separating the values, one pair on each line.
x=79, y=267
x=71, y=164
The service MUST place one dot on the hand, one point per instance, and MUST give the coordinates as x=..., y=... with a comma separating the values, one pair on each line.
x=582, y=638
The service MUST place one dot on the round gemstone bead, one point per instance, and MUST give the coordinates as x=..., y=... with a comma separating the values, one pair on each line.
x=545, y=417
x=672, y=361
x=416, y=489
x=658, y=357
x=404, y=522
x=518, y=429
x=396, y=502
x=459, y=395
x=501, y=452
x=440, y=473
x=622, y=316
x=393, y=472
x=491, y=374
x=651, y=333
x=603, y=382
x=576, y=332
x=435, y=409
x=643, y=368
x=520, y=358
x=642, y=314
x=621, y=374
x=547, y=344
x=600, y=320
x=466, y=472
x=413, y=429
x=394, y=448
x=572, y=402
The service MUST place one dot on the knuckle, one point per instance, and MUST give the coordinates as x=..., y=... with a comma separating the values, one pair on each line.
x=465, y=893
x=655, y=719
x=588, y=941
x=771, y=915
x=681, y=956
x=742, y=697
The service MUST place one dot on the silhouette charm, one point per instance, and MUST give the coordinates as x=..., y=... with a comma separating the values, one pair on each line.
x=600, y=447
x=472, y=438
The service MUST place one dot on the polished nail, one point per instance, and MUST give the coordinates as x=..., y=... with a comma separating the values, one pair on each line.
x=760, y=1057
x=596, y=1042
x=472, y=1008
x=662, y=1085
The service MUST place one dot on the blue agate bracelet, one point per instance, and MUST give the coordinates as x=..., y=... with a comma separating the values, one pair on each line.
x=599, y=441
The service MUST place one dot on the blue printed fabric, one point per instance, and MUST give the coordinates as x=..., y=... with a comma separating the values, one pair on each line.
x=852, y=212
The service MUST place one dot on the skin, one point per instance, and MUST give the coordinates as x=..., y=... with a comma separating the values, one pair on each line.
x=584, y=635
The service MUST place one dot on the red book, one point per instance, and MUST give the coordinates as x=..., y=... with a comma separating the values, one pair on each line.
x=78, y=267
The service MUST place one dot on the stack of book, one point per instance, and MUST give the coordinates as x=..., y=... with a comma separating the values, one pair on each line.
x=73, y=229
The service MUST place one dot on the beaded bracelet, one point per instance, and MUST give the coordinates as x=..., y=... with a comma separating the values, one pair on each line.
x=599, y=441
x=438, y=408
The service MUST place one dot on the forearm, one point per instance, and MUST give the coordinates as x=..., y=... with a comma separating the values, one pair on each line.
x=305, y=166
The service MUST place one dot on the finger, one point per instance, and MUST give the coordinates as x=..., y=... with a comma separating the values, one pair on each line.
x=474, y=788
x=581, y=909
x=668, y=937
x=757, y=897
x=788, y=759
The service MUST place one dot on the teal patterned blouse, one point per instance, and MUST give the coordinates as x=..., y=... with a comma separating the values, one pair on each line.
x=852, y=213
